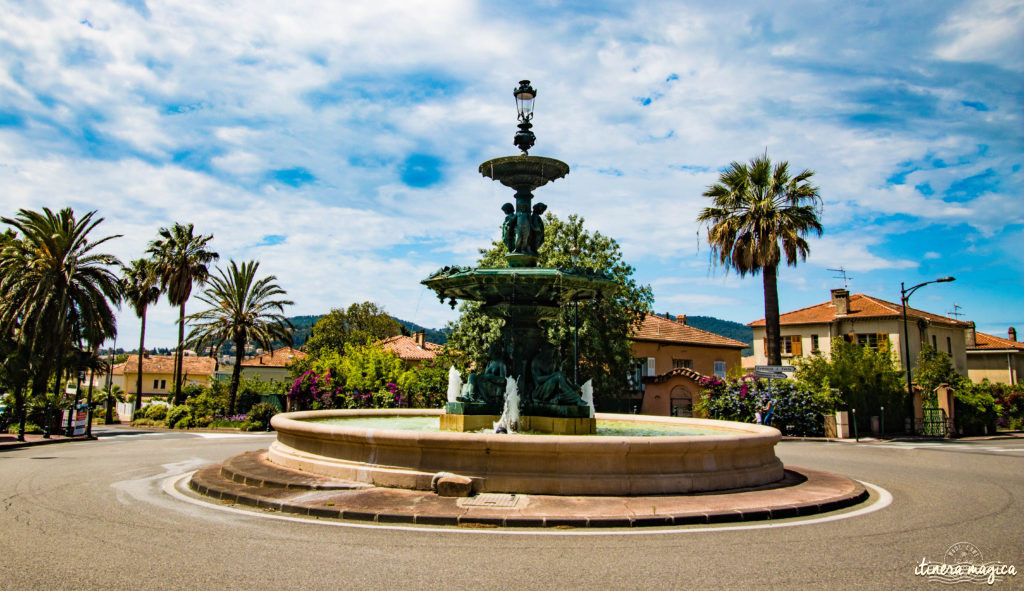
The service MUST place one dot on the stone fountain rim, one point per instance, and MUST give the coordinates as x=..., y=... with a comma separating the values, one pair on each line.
x=735, y=432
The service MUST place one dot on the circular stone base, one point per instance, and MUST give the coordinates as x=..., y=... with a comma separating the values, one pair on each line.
x=737, y=455
x=249, y=479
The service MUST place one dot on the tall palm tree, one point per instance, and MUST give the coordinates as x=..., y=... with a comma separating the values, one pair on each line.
x=55, y=286
x=242, y=309
x=140, y=284
x=760, y=213
x=181, y=259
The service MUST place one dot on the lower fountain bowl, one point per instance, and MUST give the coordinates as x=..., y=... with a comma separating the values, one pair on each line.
x=742, y=456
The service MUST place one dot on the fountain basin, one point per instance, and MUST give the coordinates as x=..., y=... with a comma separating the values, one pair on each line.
x=742, y=456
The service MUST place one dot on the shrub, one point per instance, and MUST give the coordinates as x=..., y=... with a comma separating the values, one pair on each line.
x=799, y=407
x=32, y=428
x=866, y=379
x=179, y=417
x=260, y=415
x=144, y=422
x=155, y=412
x=208, y=404
x=975, y=407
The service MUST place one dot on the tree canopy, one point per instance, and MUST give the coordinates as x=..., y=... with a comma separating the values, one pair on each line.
x=359, y=324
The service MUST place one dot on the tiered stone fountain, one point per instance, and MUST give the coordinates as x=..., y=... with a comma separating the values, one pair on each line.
x=566, y=461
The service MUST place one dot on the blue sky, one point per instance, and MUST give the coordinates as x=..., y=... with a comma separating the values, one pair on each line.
x=338, y=143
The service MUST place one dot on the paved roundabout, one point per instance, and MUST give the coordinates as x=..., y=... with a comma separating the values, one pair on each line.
x=115, y=514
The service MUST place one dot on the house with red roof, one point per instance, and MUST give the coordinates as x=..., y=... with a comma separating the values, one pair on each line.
x=269, y=366
x=996, y=359
x=869, y=321
x=670, y=359
x=413, y=350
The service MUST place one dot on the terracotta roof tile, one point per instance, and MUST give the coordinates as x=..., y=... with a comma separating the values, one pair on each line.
x=405, y=348
x=164, y=364
x=661, y=329
x=987, y=342
x=678, y=371
x=861, y=306
x=277, y=358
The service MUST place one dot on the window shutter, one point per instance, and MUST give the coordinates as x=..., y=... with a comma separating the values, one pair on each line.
x=650, y=366
x=798, y=347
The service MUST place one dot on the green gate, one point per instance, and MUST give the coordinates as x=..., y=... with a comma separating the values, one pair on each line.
x=934, y=422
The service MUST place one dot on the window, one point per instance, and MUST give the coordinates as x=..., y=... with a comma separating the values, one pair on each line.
x=163, y=384
x=873, y=340
x=791, y=345
x=682, y=364
x=720, y=369
x=650, y=367
x=949, y=346
x=935, y=344
x=156, y=384
x=814, y=343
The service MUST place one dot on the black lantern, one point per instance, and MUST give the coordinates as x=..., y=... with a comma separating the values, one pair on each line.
x=524, y=106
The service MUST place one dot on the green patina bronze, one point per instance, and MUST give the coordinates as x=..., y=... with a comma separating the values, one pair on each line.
x=524, y=296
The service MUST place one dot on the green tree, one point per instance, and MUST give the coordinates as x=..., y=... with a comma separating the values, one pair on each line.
x=140, y=285
x=181, y=260
x=758, y=214
x=934, y=368
x=56, y=287
x=604, y=325
x=866, y=379
x=242, y=309
x=359, y=324
x=369, y=367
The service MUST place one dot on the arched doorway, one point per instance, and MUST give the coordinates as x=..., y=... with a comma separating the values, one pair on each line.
x=681, y=401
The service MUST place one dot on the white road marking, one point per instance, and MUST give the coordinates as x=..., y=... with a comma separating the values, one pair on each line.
x=880, y=499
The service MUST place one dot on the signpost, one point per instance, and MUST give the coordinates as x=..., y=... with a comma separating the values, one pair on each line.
x=773, y=372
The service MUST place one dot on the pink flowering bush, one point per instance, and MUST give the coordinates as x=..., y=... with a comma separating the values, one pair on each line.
x=799, y=408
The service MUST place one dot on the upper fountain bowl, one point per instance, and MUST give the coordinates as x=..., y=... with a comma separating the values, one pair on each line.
x=524, y=172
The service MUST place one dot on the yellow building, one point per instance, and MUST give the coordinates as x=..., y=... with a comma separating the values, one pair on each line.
x=869, y=321
x=996, y=359
x=158, y=373
x=671, y=357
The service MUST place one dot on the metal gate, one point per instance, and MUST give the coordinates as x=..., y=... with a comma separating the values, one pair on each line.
x=933, y=423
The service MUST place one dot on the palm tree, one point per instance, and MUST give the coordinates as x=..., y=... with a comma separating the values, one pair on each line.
x=758, y=214
x=55, y=287
x=242, y=309
x=181, y=259
x=140, y=284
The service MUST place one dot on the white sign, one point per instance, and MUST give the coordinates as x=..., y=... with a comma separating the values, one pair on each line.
x=774, y=368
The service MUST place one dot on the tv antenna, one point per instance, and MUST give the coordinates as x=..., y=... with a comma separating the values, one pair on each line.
x=955, y=313
x=842, y=275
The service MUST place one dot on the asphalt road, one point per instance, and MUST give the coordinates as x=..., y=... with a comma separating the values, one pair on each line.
x=94, y=515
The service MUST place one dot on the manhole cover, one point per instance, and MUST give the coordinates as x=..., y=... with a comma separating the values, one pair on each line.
x=491, y=500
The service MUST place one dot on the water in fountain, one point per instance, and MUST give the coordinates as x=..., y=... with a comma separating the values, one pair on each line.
x=588, y=395
x=454, y=383
x=509, y=421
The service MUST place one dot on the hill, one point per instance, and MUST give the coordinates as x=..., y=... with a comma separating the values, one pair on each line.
x=726, y=328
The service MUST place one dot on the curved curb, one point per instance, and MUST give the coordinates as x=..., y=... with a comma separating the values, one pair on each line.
x=807, y=492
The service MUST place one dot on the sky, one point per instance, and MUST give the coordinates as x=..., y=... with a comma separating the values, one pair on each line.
x=337, y=143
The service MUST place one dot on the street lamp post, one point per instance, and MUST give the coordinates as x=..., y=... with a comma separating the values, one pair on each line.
x=525, y=95
x=904, y=296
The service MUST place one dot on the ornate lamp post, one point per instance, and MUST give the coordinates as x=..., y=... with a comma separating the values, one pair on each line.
x=904, y=296
x=525, y=95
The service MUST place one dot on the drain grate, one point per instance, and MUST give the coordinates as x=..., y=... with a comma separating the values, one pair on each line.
x=492, y=500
